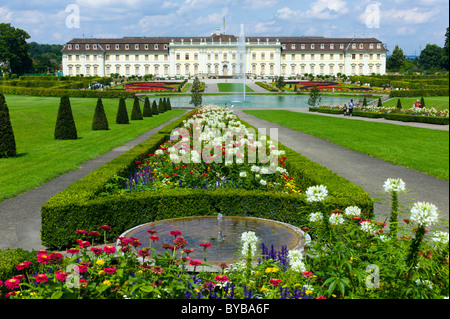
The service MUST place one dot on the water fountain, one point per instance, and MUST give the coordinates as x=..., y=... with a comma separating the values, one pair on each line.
x=241, y=66
x=222, y=232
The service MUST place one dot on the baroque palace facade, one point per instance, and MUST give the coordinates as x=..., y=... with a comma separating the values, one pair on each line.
x=219, y=56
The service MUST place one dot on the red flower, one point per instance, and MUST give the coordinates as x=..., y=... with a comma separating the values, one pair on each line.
x=154, y=238
x=175, y=233
x=83, y=243
x=151, y=231
x=111, y=270
x=135, y=242
x=72, y=251
x=12, y=283
x=94, y=233
x=109, y=249
x=96, y=250
x=307, y=273
x=275, y=282
x=43, y=259
x=41, y=278
x=61, y=275
x=179, y=242
x=24, y=265
x=144, y=252
x=56, y=258
x=157, y=270
x=205, y=245
x=105, y=227
x=188, y=250
x=221, y=278
x=81, y=231
x=195, y=262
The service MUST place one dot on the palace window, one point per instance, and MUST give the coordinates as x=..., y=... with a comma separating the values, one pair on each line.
x=127, y=46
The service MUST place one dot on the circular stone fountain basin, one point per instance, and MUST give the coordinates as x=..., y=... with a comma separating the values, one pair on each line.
x=205, y=229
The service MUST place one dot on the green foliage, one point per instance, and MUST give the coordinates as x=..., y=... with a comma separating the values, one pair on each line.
x=14, y=49
x=7, y=139
x=10, y=258
x=396, y=60
x=364, y=102
x=422, y=102
x=122, y=113
x=65, y=128
x=169, y=105
x=136, y=113
x=100, y=121
x=431, y=57
x=399, y=104
x=154, y=108
x=147, y=111
x=161, y=107
x=196, y=96
x=419, y=92
x=380, y=104
x=314, y=96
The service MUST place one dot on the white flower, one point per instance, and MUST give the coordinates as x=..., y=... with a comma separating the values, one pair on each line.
x=440, y=238
x=243, y=174
x=249, y=241
x=264, y=171
x=315, y=217
x=174, y=158
x=159, y=152
x=295, y=258
x=394, y=185
x=316, y=193
x=336, y=219
x=263, y=182
x=255, y=168
x=368, y=227
x=424, y=214
x=352, y=211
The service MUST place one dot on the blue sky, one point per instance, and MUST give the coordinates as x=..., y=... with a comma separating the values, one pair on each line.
x=411, y=24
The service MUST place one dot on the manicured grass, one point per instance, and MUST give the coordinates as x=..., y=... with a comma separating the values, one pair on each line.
x=233, y=87
x=41, y=158
x=424, y=150
x=438, y=102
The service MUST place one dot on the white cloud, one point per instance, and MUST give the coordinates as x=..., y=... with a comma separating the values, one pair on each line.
x=409, y=16
x=320, y=9
x=259, y=4
x=5, y=14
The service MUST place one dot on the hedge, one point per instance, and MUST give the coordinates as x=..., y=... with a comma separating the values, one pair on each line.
x=420, y=92
x=53, y=92
x=81, y=207
x=389, y=116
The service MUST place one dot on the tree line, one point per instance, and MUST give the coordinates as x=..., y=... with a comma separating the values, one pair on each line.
x=432, y=59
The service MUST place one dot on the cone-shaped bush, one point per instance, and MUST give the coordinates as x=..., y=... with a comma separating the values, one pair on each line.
x=100, y=121
x=166, y=107
x=169, y=105
x=380, y=104
x=7, y=140
x=160, y=106
x=422, y=102
x=122, y=113
x=154, y=108
x=365, y=102
x=147, y=111
x=136, y=113
x=65, y=128
x=399, y=104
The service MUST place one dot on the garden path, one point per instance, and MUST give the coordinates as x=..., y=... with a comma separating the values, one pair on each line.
x=368, y=172
x=21, y=216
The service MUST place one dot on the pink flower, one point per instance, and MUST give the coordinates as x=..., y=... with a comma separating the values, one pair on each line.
x=307, y=273
x=41, y=278
x=105, y=227
x=12, y=283
x=175, y=233
x=109, y=249
x=56, y=258
x=205, y=245
x=111, y=270
x=61, y=275
x=73, y=251
x=96, y=250
x=150, y=231
x=81, y=231
x=144, y=252
x=154, y=238
x=24, y=265
x=221, y=278
x=195, y=262
x=43, y=259
x=275, y=282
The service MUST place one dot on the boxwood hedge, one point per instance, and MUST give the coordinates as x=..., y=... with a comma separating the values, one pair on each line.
x=81, y=207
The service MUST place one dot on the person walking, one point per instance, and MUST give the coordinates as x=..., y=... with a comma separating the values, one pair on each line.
x=351, y=105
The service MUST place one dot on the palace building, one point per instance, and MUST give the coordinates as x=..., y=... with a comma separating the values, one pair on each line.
x=219, y=55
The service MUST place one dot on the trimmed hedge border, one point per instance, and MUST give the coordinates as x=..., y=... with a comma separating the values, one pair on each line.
x=389, y=116
x=80, y=207
x=52, y=92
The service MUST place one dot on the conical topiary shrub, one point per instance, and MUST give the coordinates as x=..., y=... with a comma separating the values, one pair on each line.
x=136, y=113
x=380, y=104
x=399, y=104
x=365, y=102
x=160, y=106
x=100, y=122
x=7, y=140
x=147, y=111
x=166, y=108
x=154, y=108
x=65, y=128
x=422, y=102
x=169, y=105
x=122, y=113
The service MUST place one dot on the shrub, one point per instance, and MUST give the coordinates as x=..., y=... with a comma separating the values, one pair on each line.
x=161, y=106
x=65, y=128
x=422, y=102
x=399, y=104
x=122, y=113
x=10, y=258
x=169, y=105
x=100, y=121
x=154, y=108
x=136, y=113
x=147, y=111
x=7, y=140
x=380, y=104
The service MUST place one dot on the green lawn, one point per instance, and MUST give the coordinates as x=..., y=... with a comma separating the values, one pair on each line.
x=233, y=87
x=41, y=158
x=424, y=150
x=438, y=102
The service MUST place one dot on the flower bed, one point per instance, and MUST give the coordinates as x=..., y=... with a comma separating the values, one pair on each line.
x=330, y=86
x=423, y=115
x=94, y=199
x=349, y=256
x=150, y=87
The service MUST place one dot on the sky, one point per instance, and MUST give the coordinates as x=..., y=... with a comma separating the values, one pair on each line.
x=410, y=24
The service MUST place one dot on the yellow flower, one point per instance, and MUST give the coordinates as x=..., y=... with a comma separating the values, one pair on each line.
x=268, y=270
x=308, y=292
x=197, y=290
x=275, y=269
x=101, y=272
x=263, y=289
x=107, y=282
x=100, y=262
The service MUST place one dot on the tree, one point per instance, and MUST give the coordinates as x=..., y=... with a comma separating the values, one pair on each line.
x=314, y=96
x=154, y=108
x=280, y=83
x=14, y=49
x=169, y=105
x=136, y=113
x=399, y=104
x=395, y=61
x=122, y=113
x=65, y=128
x=445, y=52
x=196, y=96
x=422, y=102
x=100, y=122
x=161, y=106
x=147, y=111
x=380, y=104
x=365, y=102
x=7, y=140
x=431, y=57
